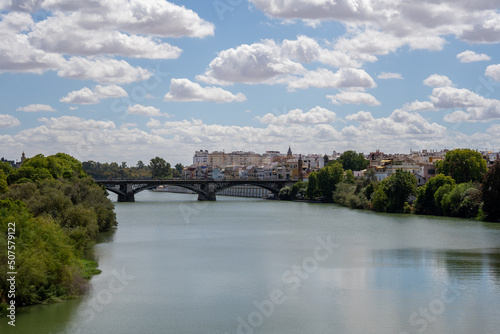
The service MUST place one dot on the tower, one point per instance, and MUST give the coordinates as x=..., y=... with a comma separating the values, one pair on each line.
x=300, y=174
x=289, y=155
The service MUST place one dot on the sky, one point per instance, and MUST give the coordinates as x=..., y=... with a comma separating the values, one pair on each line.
x=129, y=80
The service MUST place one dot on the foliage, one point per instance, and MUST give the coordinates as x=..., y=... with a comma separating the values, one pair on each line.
x=426, y=202
x=312, y=186
x=45, y=258
x=299, y=188
x=349, y=177
x=463, y=165
x=392, y=193
x=490, y=193
x=3, y=182
x=285, y=194
x=6, y=167
x=101, y=171
x=463, y=201
x=353, y=161
x=40, y=168
x=328, y=178
x=343, y=191
x=160, y=169
x=80, y=206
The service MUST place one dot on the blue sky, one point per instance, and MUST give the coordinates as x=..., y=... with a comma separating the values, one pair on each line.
x=118, y=80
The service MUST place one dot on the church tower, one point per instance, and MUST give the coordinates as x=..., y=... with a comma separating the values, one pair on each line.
x=289, y=155
x=300, y=172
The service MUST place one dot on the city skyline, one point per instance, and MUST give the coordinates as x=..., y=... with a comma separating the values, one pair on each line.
x=130, y=80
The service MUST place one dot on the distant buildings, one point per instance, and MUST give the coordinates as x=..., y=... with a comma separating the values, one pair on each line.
x=271, y=165
x=16, y=164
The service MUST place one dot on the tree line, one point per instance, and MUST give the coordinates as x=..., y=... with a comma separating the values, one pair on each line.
x=58, y=211
x=157, y=168
x=463, y=187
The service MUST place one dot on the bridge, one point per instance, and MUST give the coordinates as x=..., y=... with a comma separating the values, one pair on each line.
x=206, y=189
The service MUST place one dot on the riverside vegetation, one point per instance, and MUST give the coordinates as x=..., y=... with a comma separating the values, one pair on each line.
x=463, y=187
x=58, y=211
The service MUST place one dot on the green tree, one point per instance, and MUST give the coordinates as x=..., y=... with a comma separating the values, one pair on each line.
x=299, y=187
x=3, y=182
x=285, y=194
x=462, y=201
x=140, y=164
x=349, y=177
x=463, y=165
x=160, y=169
x=425, y=203
x=312, y=186
x=328, y=177
x=490, y=193
x=353, y=161
x=394, y=191
x=6, y=167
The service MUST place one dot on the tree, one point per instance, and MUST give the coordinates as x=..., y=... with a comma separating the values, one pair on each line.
x=393, y=192
x=353, y=161
x=3, y=182
x=298, y=188
x=328, y=177
x=160, y=169
x=426, y=201
x=140, y=164
x=463, y=165
x=312, y=186
x=490, y=193
x=349, y=177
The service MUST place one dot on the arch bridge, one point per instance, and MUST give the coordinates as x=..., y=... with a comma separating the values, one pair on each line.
x=206, y=189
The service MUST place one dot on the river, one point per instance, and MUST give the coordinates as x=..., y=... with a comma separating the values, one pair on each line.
x=175, y=265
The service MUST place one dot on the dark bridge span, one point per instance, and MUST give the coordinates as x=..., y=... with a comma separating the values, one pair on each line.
x=206, y=189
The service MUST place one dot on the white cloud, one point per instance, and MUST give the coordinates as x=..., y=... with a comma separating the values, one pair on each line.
x=360, y=116
x=153, y=123
x=102, y=70
x=419, y=106
x=93, y=28
x=437, y=80
x=389, y=75
x=139, y=109
x=315, y=115
x=183, y=90
x=74, y=123
x=8, y=121
x=493, y=71
x=65, y=35
x=249, y=64
x=88, y=96
x=36, y=108
x=323, y=78
x=470, y=56
x=477, y=108
x=354, y=98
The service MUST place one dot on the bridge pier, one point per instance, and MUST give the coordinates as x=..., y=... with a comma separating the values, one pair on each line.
x=127, y=193
x=209, y=196
x=126, y=198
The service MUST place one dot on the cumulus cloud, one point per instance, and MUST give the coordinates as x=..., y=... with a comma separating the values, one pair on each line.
x=323, y=78
x=493, y=71
x=93, y=28
x=470, y=56
x=139, y=109
x=315, y=115
x=183, y=90
x=102, y=70
x=389, y=75
x=74, y=123
x=269, y=62
x=418, y=24
x=36, y=108
x=89, y=96
x=360, y=116
x=8, y=121
x=437, y=80
x=354, y=98
x=477, y=108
